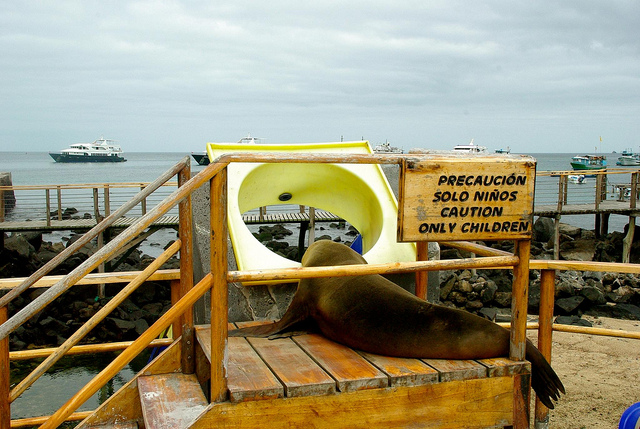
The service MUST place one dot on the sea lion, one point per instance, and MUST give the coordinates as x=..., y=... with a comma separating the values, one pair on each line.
x=373, y=314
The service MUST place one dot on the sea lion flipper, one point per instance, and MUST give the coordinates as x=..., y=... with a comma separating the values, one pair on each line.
x=295, y=317
x=544, y=381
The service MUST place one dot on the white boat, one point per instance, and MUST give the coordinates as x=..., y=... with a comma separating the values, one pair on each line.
x=628, y=158
x=470, y=148
x=386, y=148
x=203, y=158
x=577, y=178
x=101, y=150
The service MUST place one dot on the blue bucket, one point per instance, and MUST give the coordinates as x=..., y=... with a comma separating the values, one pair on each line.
x=357, y=244
x=631, y=417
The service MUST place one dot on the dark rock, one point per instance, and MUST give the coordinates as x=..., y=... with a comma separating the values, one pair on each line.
x=19, y=244
x=569, y=305
x=473, y=306
x=569, y=230
x=594, y=294
x=447, y=287
x=578, y=250
x=619, y=311
x=449, y=254
x=534, y=297
x=572, y=320
x=503, y=299
x=122, y=325
x=543, y=229
x=153, y=309
x=277, y=231
x=488, y=292
x=623, y=294
x=141, y=325
x=488, y=313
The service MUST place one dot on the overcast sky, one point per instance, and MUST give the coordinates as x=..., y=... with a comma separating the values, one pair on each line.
x=538, y=76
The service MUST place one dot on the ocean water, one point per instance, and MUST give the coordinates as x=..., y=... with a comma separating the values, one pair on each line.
x=38, y=168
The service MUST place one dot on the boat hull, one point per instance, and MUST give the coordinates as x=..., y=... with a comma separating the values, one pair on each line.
x=578, y=166
x=62, y=157
x=201, y=158
x=628, y=161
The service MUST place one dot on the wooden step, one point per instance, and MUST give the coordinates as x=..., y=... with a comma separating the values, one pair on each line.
x=122, y=425
x=170, y=401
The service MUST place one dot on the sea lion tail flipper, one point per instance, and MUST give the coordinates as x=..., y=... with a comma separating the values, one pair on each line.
x=544, y=381
x=260, y=331
x=295, y=315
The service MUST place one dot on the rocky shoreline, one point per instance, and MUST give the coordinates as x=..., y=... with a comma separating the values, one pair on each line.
x=485, y=292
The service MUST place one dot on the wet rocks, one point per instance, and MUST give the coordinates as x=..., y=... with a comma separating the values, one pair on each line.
x=23, y=254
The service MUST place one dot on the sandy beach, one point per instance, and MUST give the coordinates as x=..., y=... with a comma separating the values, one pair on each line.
x=601, y=375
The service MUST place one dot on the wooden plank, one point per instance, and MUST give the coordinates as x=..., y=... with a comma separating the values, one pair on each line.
x=504, y=367
x=451, y=370
x=350, y=370
x=119, y=425
x=124, y=405
x=170, y=400
x=403, y=371
x=5, y=404
x=248, y=377
x=458, y=404
x=299, y=374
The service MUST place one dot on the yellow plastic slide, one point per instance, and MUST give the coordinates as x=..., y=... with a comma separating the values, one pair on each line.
x=358, y=193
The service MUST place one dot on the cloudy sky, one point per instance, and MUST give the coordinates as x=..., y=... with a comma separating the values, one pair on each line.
x=542, y=76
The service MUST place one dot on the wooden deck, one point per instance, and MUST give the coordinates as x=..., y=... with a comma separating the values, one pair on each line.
x=605, y=207
x=164, y=222
x=79, y=224
x=311, y=365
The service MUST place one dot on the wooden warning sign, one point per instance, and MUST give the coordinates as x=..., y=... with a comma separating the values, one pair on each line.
x=452, y=197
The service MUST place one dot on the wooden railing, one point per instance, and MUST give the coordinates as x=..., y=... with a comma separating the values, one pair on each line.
x=49, y=202
x=218, y=278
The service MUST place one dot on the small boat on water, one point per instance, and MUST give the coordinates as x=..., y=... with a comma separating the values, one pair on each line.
x=101, y=150
x=577, y=178
x=628, y=158
x=504, y=151
x=589, y=162
x=386, y=148
x=470, y=148
x=203, y=159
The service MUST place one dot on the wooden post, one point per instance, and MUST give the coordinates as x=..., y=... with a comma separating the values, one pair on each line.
x=186, y=250
x=143, y=203
x=100, y=238
x=107, y=205
x=96, y=206
x=5, y=405
x=517, y=345
x=48, y=205
x=519, y=301
x=219, y=295
x=556, y=237
x=312, y=225
x=562, y=200
x=59, y=202
x=547, y=293
x=422, y=280
x=628, y=239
